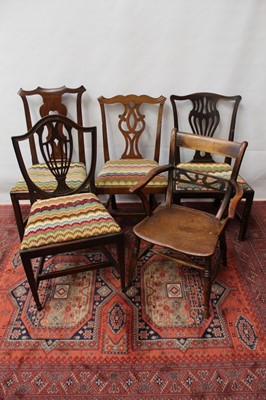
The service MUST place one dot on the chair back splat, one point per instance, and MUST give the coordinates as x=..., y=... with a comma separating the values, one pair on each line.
x=127, y=160
x=185, y=234
x=67, y=216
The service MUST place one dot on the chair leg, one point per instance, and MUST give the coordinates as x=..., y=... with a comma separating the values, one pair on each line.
x=223, y=248
x=246, y=213
x=113, y=202
x=30, y=276
x=18, y=215
x=207, y=287
x=133, y=259
x=120, y=249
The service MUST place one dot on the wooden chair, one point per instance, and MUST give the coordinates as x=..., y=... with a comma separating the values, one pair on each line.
x=37, y=104
x=121, y=171
x=205, y=113
x=65, y=219
x=190, y=235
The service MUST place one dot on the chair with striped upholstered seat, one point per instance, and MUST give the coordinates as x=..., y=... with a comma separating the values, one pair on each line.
x=37, y=104
x=209, y=114
x=64, y=216
x=129, y=123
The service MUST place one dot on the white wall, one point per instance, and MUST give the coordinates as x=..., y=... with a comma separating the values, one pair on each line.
x=142, y=46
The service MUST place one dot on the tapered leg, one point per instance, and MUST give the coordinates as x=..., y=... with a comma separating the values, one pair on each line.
x=133, y=259
x=26, y=261
x=207, y=287
x=18, y=215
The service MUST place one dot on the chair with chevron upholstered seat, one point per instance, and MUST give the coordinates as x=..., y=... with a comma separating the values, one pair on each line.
x=67, y=218
x=130, y=123
x=37, y=104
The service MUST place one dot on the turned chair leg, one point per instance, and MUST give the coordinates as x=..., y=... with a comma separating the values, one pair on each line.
x=207, y=287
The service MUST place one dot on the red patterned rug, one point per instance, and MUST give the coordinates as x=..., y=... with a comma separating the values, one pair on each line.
x=91, y=341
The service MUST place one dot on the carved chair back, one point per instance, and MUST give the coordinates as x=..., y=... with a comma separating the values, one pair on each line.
x=131, y=123
x=47, y=132
x=53, y=101
x=204, y=117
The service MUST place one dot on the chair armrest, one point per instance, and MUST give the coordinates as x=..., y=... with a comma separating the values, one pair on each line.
x=239, y=191
x=137, y=189
x=149, y=176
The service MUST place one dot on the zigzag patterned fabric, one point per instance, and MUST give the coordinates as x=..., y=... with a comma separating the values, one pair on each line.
x=221, y=170
x=42, y=177
x=128, y=172
x=65, y=218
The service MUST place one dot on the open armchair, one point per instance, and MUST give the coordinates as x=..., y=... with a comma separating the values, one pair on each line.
x=187, y=234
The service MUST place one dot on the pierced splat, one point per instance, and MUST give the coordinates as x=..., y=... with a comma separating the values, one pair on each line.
x=52, y=104
x=204, y=117
x=131, y=124
x=58, y=166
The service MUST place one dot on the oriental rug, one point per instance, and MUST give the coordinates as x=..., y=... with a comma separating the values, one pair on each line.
x=91, y=341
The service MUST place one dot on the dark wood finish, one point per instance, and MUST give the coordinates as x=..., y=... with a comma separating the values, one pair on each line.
x=48, y=132
x=53, y=101
x=185, y=231
x=131, y=123
x=204, y=118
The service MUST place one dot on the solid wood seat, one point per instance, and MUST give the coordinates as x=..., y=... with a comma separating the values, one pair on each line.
x=64, y=218
x=188, y=236
x=210, y=115
x=41, y=102
x=181, y=229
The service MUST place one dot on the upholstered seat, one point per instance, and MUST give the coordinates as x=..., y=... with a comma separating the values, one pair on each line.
x=128, y=172
x=220, y=170
x=41, y=175
x=62, y=219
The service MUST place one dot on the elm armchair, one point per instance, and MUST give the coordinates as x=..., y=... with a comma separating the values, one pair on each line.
x=185, y=235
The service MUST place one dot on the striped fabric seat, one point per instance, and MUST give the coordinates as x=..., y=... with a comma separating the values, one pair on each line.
x=127, y=173
x=66, y=218
x=41, y=175
x=221, y=170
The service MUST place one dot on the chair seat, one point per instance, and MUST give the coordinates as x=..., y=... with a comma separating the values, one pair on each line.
x=65, y=218
x=181, y=229
x=221, y=170
x=127, y=173
x=42, y=177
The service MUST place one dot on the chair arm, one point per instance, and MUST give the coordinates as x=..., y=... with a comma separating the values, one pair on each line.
x=239, y=191
x=137, y=189
x=149, y=176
